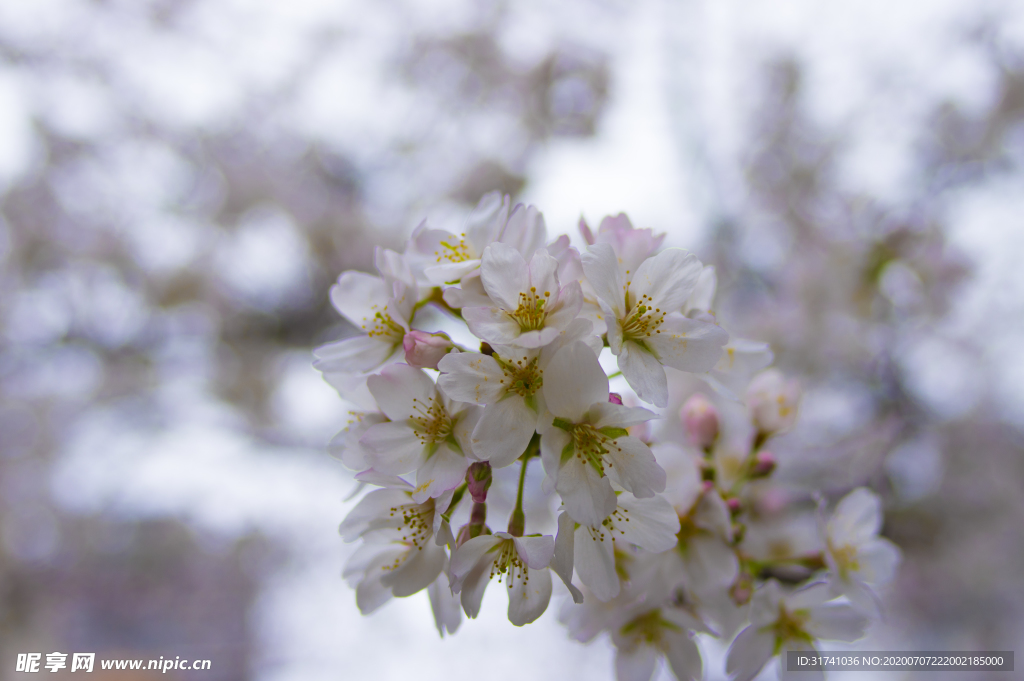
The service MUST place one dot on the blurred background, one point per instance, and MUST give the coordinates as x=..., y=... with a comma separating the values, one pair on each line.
x=182, y=180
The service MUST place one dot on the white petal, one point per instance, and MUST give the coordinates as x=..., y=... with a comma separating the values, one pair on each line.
x=536, y=339
x=749, y=653
x=636, y=664
x=604, y=274
x=358, y=354
x=528, y=596
x=358, y=296
x=488, y=220
x=604, y=414
x=644, y=374
x=857, y=519
x=702, y=298
x=568, y=305
x=473, y=587
x=563, y=558
x=505, y=275
x=445, y=605
x=683, y=656
x=395, y=448
x=370, y=595
x=469, y=293
x=667, y=279
x=878, y=561
x=536, y=551
x=399, y=389
x=764, y=605
x=574, y=381
x=416, y=573
x=450, y=272
x=475, y=552
x=503, y=431
x=552, y=442
x=588, y=497
x=635, y=468
x=808, y=597
x=687, y=344
x=594, y=560
x=491, y=324
x=525, y=230
x=744, y=357
x=442, y=471
x=710, y=564
x=471, y=377
x=653, y=523
x=375, y=504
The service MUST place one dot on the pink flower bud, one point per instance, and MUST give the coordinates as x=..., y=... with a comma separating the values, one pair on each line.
x=615, y=398
x=734, y=504
x=772, y=399
x=708, y=486
x=701, y=420
x=764, y=464
x=478, y=480
x=424, y=350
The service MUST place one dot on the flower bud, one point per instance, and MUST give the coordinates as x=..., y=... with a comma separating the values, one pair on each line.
x=772, y=399
x=764, y=464
x=615, y=398
x=424, y=350
x=478, y=479
x=734, y=504
x=700, y=418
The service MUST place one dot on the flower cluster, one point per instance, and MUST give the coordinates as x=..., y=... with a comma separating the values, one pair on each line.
x=661, y=522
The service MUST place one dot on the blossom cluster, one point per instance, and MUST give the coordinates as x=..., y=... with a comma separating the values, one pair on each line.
x=480, y=351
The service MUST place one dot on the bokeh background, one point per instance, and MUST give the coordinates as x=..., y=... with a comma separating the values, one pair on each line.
x=182, y=180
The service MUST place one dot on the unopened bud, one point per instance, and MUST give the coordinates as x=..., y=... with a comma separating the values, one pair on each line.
x=424, y=350
x=615, y=398
x=772, y=399
x=708, y=486
x=734, y=504
x=764, y=464
x=478, y=479
x=700, y=418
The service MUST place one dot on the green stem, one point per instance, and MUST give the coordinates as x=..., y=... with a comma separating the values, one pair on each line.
x=517, y=522
x=615, y=375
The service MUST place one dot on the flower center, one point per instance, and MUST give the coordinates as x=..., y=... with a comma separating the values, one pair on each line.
x=643, y=320
x=454, y=249
x=416, y=523
x=382, y=325
x=430, y=421
x=509, y=565
x=790, y=627
x=649, y=627
x=522, y=376
x=531, y=312
x=589, y=445
x=845, y=557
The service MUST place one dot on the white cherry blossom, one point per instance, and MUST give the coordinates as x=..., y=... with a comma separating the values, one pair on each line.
x=782, y=622
x=426, y=433
x=381, y=309
x=586, y=444
x=453, y=257
x=858, y=559
x=646, y=330
x=659, y=632
x=509, y=382
x=521, y=562
x=650, y=524
x=403, y=548
x=528, y=307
